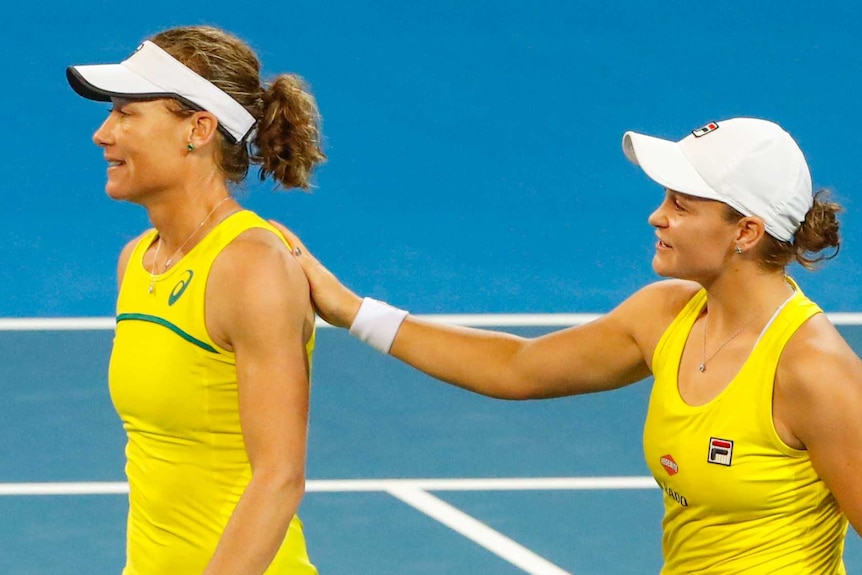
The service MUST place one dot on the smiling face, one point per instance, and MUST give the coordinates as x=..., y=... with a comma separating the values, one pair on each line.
x=695, y=238
x=144, y=144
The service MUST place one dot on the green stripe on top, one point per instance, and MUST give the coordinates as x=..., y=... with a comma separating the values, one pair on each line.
x=165, y=323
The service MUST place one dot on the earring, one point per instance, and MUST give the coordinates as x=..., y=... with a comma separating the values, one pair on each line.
x=190, y=147
x=738, y=250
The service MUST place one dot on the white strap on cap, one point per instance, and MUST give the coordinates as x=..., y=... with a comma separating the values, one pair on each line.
x=377, y=323
x=157, y=66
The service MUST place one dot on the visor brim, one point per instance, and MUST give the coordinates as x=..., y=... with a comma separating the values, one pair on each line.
x=105, y=81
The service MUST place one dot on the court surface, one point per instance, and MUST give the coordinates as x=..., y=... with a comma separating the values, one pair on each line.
x=406, y=475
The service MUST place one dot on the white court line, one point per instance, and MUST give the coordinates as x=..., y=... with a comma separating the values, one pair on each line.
x=473, y=320
x=490, y=484
x=366, y=485
x=92, y=488
x=56, y=323
x=476, y=531
x=476, y=320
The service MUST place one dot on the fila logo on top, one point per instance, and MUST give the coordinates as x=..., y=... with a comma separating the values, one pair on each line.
x=720, y=451
x=700, y=132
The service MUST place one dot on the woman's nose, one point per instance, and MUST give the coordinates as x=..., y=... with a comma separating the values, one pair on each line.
x=101, y=136
x=657, y=219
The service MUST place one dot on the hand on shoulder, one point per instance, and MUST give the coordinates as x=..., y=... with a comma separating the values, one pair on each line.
x=255, y=284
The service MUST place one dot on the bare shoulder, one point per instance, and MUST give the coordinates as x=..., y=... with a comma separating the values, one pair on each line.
x=652, y=308
x=667, y=296
x=256, y=268
x=814, y=353
x=819, y=377
x=257, y=240
x=259, y=258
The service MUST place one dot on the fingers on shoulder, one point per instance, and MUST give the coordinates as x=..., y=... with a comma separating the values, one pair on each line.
x=285, y=232
x=258, y=266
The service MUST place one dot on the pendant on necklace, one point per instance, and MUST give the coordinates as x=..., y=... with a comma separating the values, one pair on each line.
x=151, y=288
x=702, y=367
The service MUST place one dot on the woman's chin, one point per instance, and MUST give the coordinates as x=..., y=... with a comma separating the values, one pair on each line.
x=118, y=193
x=660, y=268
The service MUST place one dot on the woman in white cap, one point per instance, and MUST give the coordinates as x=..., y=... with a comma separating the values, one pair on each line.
x=753, y=430
x=210, y=367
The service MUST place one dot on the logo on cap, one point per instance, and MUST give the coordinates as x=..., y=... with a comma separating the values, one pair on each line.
x=700, y=132
x=720, y=451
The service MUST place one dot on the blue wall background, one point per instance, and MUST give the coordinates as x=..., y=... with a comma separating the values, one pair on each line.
x=474, y=147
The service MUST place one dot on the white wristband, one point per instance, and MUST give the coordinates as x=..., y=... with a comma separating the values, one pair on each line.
x=377, y=324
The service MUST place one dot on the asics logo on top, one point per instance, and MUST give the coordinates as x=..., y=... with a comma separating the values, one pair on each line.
x=181, y=286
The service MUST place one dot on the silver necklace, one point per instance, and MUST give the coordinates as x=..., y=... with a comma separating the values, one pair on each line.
x=170, y=261
x=703, y=358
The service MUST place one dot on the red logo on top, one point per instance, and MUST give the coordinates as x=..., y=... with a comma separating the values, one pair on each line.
x=669, y=464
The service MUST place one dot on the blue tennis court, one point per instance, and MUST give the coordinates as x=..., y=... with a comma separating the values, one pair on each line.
x=405, y=475
x=474, y=168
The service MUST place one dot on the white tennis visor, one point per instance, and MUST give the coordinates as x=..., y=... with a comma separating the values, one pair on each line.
x=153, y=73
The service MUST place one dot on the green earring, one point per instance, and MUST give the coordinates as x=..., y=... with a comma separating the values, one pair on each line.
x=190, y=147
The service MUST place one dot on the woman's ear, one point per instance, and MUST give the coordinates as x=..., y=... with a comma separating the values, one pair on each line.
x=203, y=126
x=749, y=231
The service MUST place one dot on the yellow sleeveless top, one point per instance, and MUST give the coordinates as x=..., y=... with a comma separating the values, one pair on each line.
x=175, y=390
x=737, y=499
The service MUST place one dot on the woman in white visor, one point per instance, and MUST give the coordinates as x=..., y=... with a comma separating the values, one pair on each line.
x=210, y=366
x=754, y=425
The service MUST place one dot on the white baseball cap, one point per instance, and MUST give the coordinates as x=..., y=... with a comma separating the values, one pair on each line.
x=153, y=73
x=752, y=165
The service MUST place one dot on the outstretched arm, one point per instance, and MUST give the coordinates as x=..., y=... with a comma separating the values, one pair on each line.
x=598, y=356
x=610, y=352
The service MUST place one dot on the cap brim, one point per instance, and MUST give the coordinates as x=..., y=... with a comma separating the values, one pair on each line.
x=105, y=81
x=666, y=164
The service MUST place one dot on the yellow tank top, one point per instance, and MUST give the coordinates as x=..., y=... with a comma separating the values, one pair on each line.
x=737, y=499
x=175, y=390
